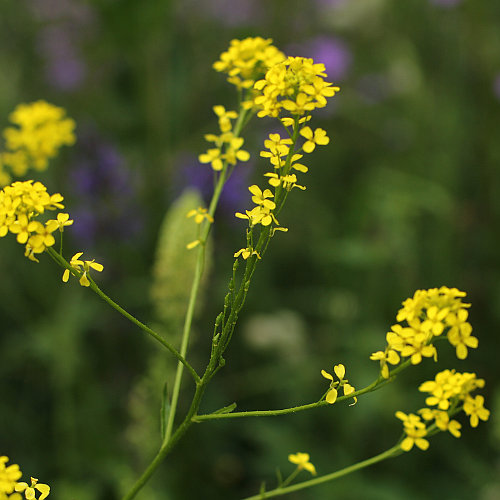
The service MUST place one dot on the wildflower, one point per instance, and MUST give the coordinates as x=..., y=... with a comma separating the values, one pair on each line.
x=332, y=394
x=260, y=197
x=388, y=356
x=233, y=153
x=9, y=476
x=224, y=117
x=318, y=137
x=415, y=431
x=214, y=157
x=246, y=253
x=29, y=491
x=42, y=129
x=295, y=85
x=473, y=407
x=302, y=462
x=248, y=59
x=82, y=265
x=20, y=205
x=459, y=334
x=258, y=215
x=62, y=221
x=200, y=214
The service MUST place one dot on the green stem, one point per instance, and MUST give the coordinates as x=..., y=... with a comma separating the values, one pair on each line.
x=200, y=265
x=62, y=262
x=391, y=452
x=377, y=384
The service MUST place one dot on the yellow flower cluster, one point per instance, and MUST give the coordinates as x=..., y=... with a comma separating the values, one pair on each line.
x=428, y=314
x=20, y=205
x=9, y=485
x=301, y=460
x=295, y=85
x=83, y=266
x=41, y=129
x=227, y=150
x=449, y=392
x=332, y=394
x=247, y=60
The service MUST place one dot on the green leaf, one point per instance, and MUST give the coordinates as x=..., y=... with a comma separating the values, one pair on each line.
x=226, y=409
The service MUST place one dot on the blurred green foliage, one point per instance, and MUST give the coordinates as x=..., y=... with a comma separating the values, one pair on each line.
x=406, y=196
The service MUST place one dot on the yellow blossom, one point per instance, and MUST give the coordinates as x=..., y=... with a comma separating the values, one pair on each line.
x=200, y=214
x=248, y=59
x=29, y=491
x=332, y=394
x=318, y=137
x=415, y=431
x=83, y=266
x=9, y=475
x=302, y=462
x=246, y=253
x=473, y=407
x=41, y=129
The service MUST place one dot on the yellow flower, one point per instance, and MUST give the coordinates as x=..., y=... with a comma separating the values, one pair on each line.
x=82, y=265
x=248, y=59
x=20, y=205
x=332, y=394
x=200, y=214
x=302, y=462
x=42, y=129
x=415, y=431
x=29, y=491
x=246, y=252
x=212, y=156
x=318, y=137
x=473, y=407
x=9, y=476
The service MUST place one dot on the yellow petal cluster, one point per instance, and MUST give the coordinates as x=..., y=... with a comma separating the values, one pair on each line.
x=21, y=204
x=40, y=130
x=83, y=267
x=294, y=87
x=247, y=60
x=449, y=393
x=424, y=317
x=227, y=150
x=10, y=487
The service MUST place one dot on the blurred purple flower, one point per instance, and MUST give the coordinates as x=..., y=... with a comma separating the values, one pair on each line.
x=446, y=3
x=496, y=86
x=228, y=12
x=66, y=24
x=105, y=192
x=190, y=173
x=334, y=53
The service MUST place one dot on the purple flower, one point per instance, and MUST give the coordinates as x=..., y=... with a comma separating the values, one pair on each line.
x=67, y=24
x=190, y=173
x=104, y=189
x=333, y=52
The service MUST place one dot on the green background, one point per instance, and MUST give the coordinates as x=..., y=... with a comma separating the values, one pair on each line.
x=405, y=196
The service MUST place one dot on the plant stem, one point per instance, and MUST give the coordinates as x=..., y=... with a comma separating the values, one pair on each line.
x=391, y=452
x=377, y=384
x=62, y=261
x=200, y=265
